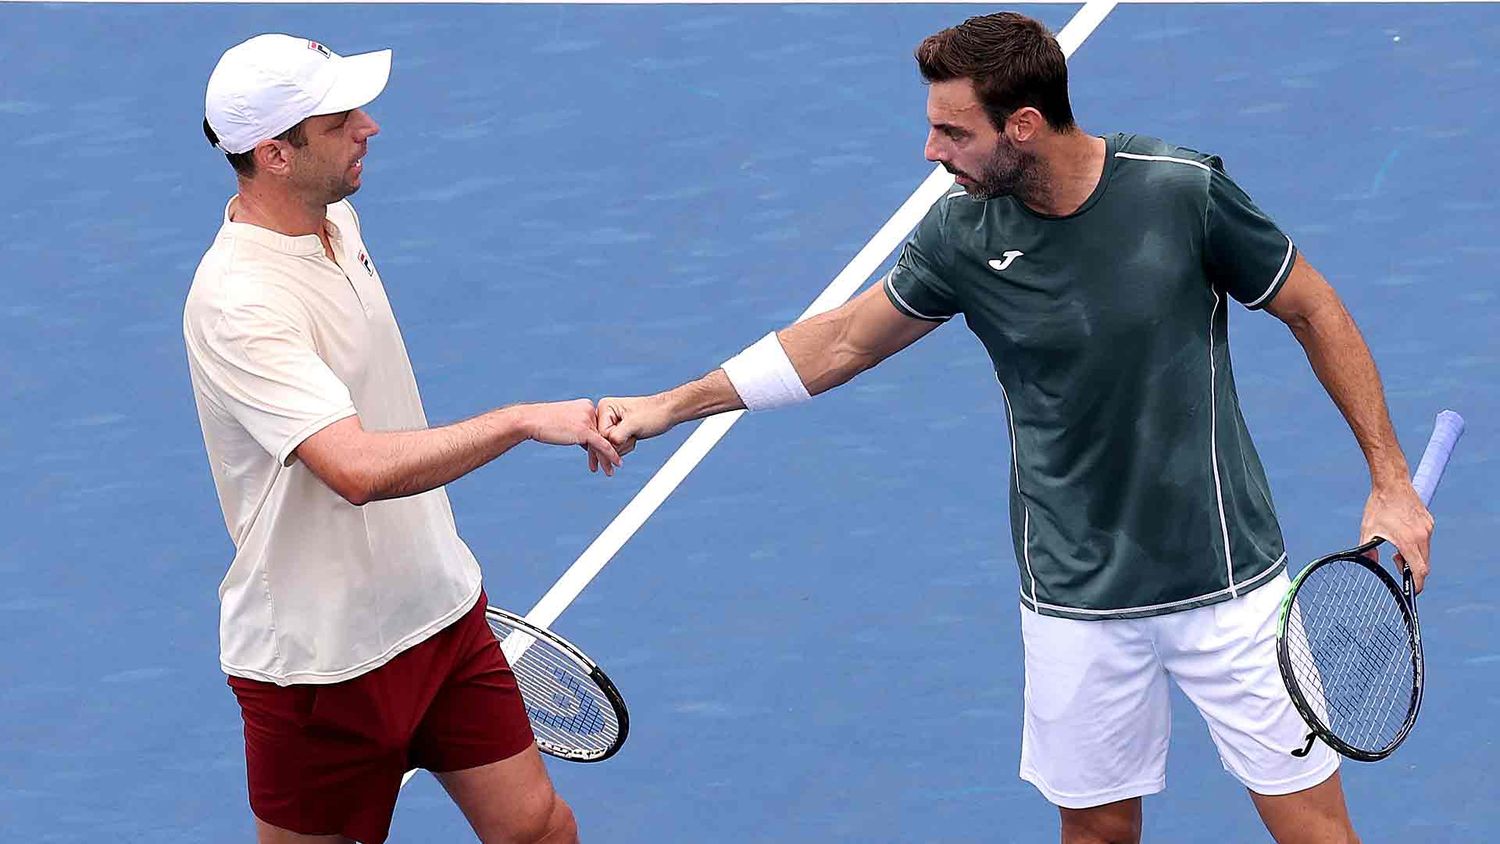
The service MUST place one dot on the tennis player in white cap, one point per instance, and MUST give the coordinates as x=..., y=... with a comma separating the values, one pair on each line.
x=352, y=617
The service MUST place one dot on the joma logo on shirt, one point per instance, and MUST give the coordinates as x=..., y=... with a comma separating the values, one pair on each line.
x=1005, y=259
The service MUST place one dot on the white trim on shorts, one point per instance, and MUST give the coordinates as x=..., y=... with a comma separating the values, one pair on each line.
x=1145, y=788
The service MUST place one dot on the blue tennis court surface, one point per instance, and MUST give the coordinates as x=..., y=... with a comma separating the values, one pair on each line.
x=818, y=634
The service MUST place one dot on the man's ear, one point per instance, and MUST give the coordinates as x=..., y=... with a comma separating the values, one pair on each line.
x=273, y=156
x=1024, y=124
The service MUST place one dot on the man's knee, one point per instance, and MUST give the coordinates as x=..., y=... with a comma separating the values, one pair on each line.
x=551, y=822
x=562, y=827
x=1113, y=832
x=1116, y=823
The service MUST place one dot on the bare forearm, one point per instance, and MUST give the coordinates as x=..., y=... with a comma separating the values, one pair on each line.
x=824, y=352
x=1342, y=362
x=365, y=466
x=814, y=348
x=412, y=462
x=706, y=396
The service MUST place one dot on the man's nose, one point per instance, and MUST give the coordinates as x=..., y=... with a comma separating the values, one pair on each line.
x=932, y=150
x=369, y=128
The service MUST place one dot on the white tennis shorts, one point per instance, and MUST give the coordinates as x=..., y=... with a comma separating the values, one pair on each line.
x=1098, y=716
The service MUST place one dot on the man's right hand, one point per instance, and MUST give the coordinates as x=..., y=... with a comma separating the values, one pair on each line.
x=623, y=421
x=570, y=423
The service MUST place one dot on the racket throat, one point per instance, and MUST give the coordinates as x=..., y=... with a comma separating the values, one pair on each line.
x=1306, y=748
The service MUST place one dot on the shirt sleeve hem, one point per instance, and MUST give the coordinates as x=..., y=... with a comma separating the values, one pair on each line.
x=1279, y=281
x=900, y=304
x=288, y=451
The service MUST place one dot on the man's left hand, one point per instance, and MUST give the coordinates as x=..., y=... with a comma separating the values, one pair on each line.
x=1395, y=514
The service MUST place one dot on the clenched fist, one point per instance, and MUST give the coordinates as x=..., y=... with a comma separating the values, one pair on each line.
x=571, y=423
x=623, y=421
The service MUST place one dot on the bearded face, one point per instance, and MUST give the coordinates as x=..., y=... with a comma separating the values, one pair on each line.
x=1005, y=172
x=330, y=165
x=983, y=159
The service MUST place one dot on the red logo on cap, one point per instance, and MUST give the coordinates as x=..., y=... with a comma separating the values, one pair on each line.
x=313, y=45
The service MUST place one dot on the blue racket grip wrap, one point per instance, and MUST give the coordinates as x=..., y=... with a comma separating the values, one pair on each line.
x=1445, y=434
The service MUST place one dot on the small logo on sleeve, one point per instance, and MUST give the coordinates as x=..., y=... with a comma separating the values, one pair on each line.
x=365, y=260
x=1005, y=259
x=319, y=48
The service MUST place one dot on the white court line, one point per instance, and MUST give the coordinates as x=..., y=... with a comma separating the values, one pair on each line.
x=711, y=430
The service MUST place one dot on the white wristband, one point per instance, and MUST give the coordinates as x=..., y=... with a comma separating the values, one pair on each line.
x=764, y=376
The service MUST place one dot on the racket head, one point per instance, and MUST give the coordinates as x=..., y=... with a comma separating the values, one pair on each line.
x=1350, y=652
x=576, y=712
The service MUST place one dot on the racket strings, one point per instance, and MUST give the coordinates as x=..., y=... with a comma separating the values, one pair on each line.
x=1352, y=655
x=570, y=715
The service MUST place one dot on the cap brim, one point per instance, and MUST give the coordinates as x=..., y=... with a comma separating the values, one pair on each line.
x=360, y=79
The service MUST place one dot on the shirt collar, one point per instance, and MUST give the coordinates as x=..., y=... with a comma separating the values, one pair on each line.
x=301, y=245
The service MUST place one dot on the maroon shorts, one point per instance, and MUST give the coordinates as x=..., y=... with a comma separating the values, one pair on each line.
x=328, y=759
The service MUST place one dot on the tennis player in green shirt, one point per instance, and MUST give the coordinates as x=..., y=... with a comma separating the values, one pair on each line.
x=1098, y=272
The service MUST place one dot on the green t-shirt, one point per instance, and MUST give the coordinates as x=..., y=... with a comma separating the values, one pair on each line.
x=1136, y=490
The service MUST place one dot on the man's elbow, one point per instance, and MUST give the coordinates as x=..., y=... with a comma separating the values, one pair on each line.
x=1298, y=323
x=357, y=494
x=347, y=478
x=1326, y=317
x=351, y=485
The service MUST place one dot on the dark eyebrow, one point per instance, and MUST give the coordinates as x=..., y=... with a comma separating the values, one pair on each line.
x=949, y=127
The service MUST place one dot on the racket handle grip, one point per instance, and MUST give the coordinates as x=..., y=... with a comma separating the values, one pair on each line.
x=1445, y=434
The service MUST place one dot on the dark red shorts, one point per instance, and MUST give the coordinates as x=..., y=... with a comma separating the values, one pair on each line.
x=328, y=759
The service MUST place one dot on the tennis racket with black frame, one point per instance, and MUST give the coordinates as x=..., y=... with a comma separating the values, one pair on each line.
x=575, y=710
x=1348, y=641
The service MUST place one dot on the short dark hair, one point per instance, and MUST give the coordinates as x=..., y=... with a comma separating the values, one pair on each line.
x=244, y=162
x=1012, y=60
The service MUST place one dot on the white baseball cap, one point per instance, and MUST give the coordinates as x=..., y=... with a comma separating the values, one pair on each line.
x=267, y=85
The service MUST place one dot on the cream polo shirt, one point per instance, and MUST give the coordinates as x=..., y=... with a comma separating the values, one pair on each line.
x=281, y=342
